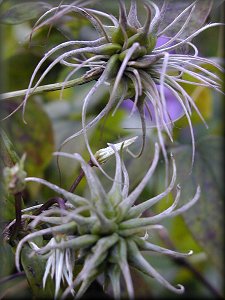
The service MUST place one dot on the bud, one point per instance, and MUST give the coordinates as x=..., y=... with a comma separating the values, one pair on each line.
x=104, y=154
x=14, y=177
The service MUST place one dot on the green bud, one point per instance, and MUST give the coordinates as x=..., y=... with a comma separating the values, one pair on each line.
x=113, y=65
x=139, y=37
x=104, y=154
x=14, y=177
x=117, y=36
x=151, y=42
x=109, y=49
x=139, y=52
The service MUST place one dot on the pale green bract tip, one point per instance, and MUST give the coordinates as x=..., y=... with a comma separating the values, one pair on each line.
x=104, y=154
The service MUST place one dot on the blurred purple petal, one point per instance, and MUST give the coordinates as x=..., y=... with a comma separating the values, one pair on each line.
x=162, y=40
x=174, y=108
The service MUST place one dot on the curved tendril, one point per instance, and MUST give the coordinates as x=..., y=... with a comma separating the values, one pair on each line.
x=57, y=60
x=144, y=245
x=140, y=208
x=84, y=125
x=189, y=122
x=162, y=94
x=147, y=24
x=160, y=136
x=156, y=19
x=122, y=97
x=81, y=65
x=132, y=15
x=179, y=32
x=151, y=86
x=190, y=37
x=195, y=66
x=127, y=203
x=140, y=107
x=123, y=67
x=71, y=8
x=176, y=19
x=189, y=98
x=103, y=14
x=143, y=265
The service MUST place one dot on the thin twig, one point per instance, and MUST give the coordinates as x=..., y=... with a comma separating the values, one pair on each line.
x=52, y=87
x=18, y=208
x=18, y=223
x=79, y=178
x=60, y=201
x=49, y=203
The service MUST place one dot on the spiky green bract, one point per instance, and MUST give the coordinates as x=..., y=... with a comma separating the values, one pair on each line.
x=126, y=59
x=103, y=232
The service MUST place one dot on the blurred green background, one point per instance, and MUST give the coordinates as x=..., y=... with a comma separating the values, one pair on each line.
x=51, y=120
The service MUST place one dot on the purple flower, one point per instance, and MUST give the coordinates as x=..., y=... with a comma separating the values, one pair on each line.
x=174, y=108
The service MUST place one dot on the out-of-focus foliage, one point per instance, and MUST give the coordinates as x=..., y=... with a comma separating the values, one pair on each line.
x=205, y=220
x=23, y=12
x=31, y=138
x=51, y=120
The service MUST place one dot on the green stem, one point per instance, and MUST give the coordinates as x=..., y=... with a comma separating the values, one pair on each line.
x=53, y=87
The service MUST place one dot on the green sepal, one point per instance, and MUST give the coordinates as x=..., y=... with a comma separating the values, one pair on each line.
x=139, y=37
x=113, y=66
x=117, y=36
x=151, y=43
x=139, y=52
x=109, y=49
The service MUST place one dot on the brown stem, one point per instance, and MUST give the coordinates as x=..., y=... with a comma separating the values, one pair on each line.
x=61, y=202
x=79, y=178
x=50, y=202
x=18, y=223
x=18, y=208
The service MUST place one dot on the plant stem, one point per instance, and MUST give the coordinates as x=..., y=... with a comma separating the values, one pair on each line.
x=52, y=87
x=79, y=178
x=61, y=202
x=18, y=223
x=50, y=202
x=18, y=208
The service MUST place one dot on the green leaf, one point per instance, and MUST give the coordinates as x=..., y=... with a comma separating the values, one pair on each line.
x=7, y=264
x=20, y=67
x=23, y=12
x=205, y=219
x=34, y=267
